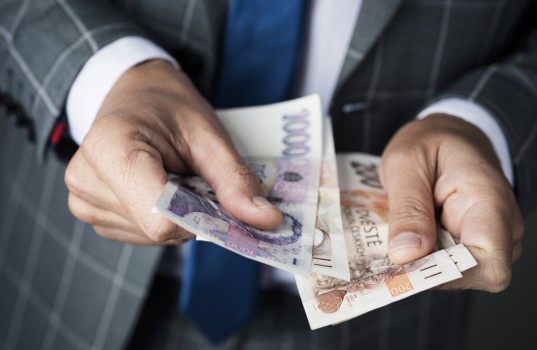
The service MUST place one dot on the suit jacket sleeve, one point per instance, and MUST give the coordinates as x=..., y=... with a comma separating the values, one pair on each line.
x=43, y=45
x=508, y=90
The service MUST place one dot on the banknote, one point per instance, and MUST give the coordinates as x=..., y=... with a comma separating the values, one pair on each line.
x=365, y=210
x=291, y=129
x=375, y=281
x=282, y=145
x=329, y=249
x=338, y=303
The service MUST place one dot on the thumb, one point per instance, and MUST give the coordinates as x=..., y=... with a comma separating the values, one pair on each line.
x=412, y=228
x=236, y=187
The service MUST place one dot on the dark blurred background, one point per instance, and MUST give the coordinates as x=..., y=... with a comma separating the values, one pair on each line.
x=508, y=320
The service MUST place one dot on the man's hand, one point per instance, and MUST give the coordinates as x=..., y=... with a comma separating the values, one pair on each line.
x=444, y=167
x=153, y=121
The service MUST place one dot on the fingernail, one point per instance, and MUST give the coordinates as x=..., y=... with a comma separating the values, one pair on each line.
x=262, y=202
x=405, y=240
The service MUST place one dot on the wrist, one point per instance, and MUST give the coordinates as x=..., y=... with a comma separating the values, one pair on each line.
x=100, y=73
x=150, y=73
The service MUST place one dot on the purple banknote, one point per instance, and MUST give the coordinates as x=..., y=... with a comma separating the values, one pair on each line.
x=282, y=145
x=190, y=203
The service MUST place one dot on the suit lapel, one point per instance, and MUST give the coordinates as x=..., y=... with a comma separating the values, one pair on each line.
x=373, y=18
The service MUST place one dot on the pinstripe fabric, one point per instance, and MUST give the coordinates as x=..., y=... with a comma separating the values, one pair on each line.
x=432, y=49
x=63, y=287
x=60, y=33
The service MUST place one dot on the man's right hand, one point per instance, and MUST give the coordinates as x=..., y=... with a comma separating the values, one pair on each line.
x=152, y=122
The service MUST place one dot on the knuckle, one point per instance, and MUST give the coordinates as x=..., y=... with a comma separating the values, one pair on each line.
x=411, y=211
x=105, y=141
x=92, y=144
x=85, y=216
x=160, y=230
x=405, y=153
x=80, y=211
x=496, y=276
x=103, y=232
x=72, y=180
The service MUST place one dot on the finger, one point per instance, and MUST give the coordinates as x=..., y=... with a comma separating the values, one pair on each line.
x=236, y=188
x=489, y=275
x=408, y=179
x=82, y=182
x=482, y=212
x=471, y=279
x=119, y=235
x=487, y=233
x=92, y=215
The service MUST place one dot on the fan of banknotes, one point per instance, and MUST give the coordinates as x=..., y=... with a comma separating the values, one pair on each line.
x=334, y=232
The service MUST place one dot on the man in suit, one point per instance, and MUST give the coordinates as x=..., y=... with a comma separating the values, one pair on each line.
x=64, y=287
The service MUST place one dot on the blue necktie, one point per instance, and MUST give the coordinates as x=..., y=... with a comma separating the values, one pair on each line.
x=260, y=53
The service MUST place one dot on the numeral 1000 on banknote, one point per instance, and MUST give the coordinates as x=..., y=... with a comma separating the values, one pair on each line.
x=296, y=127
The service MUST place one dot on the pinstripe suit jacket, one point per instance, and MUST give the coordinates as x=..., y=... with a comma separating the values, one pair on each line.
x=61, y=286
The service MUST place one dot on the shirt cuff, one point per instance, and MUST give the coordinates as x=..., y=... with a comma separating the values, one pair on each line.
x=480, y=117
x=99, y=75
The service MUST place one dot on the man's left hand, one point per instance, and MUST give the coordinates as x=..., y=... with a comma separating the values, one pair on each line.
x=443, y=167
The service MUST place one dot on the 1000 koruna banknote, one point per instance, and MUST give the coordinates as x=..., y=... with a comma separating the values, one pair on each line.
x=282, y=144
x=375, y=281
